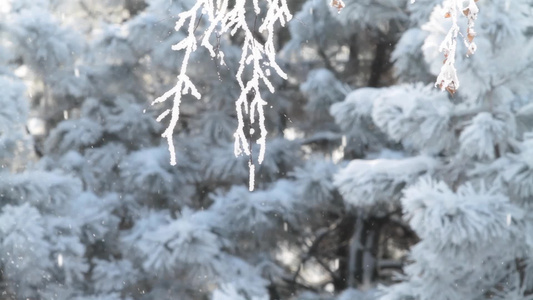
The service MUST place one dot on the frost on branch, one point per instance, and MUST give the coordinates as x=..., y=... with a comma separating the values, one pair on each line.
x=447, y=78
x=226, y=18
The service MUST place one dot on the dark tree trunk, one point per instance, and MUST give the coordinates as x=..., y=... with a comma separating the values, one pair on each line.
x=367, y=256
x=381, y=59
x=352, y=67
x=346, y=230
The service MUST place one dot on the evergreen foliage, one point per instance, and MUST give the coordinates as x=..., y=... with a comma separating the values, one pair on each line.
x=374, y=184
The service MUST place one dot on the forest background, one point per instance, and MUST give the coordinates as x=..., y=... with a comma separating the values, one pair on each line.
x=375, y=183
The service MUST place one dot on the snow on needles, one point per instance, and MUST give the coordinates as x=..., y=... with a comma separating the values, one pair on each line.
x=365, y=183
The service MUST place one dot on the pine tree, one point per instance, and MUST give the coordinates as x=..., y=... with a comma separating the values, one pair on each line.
x=472, y=223
x=371, y=175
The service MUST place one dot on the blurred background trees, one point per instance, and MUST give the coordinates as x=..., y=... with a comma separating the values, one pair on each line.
x=374, y=185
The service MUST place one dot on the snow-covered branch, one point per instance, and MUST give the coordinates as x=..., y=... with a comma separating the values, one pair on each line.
x=184, y=84
x=261, y=57
x=447, y=78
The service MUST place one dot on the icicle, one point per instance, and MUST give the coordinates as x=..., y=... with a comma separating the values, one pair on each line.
x=251, y=183
x=60, y=260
